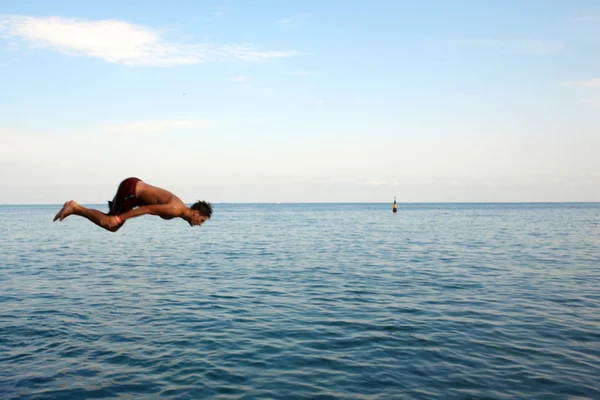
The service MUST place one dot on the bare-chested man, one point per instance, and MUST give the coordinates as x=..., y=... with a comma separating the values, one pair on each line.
x=135, y=198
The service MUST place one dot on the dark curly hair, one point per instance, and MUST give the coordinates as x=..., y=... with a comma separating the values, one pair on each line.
x=203, y=208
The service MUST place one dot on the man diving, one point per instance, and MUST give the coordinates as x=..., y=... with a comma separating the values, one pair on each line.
x=134, y=198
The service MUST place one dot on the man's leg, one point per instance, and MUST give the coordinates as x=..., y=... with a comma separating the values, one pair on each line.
x=98, y=217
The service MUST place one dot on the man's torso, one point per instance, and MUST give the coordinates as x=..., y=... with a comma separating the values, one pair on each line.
x=150, y=195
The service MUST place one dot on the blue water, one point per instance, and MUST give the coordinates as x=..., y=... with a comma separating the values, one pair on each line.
x=315, y=301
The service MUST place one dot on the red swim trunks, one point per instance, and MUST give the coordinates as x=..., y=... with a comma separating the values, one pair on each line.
x=125, y=199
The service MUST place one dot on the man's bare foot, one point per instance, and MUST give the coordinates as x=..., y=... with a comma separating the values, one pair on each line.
x=68, y=209
x=57, y=216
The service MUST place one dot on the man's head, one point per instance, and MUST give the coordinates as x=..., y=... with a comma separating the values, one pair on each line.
x=201, y=211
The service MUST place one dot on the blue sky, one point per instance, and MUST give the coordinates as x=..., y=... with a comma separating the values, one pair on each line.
x=301, y=101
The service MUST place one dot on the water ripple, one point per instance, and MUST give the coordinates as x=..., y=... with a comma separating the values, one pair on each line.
x=300, y=301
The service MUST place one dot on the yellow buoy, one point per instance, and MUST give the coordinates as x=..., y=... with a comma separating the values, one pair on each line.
x=395, y=209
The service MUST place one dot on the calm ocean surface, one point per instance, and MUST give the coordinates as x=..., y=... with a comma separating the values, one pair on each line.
x=315, y=301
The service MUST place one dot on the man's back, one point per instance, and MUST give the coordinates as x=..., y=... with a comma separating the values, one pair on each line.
x=149, y=194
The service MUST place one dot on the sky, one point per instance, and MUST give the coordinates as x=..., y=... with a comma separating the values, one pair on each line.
x=301, y=101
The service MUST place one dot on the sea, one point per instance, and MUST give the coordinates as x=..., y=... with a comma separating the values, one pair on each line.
x=304, y=301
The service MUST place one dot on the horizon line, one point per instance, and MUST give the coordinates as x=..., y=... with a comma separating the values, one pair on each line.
x=341, y=202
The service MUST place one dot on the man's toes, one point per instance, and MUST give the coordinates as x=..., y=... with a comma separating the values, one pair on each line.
x=58, y=214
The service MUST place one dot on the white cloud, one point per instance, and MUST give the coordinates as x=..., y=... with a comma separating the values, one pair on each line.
x=6, y=63
x=300, y=73
x=376, y=183
x=537, y=47
x=284, y=21
x=518, y=46
x=269, y=91
x=11, y=46
x=590, y=17
x=239, y=78
x=248, y=52
x=591, y=102
x=156, y=126
x=588, y=83
x=121, y=42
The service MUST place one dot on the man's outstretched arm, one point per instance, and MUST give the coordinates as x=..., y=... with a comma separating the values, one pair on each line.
x=162, y=210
